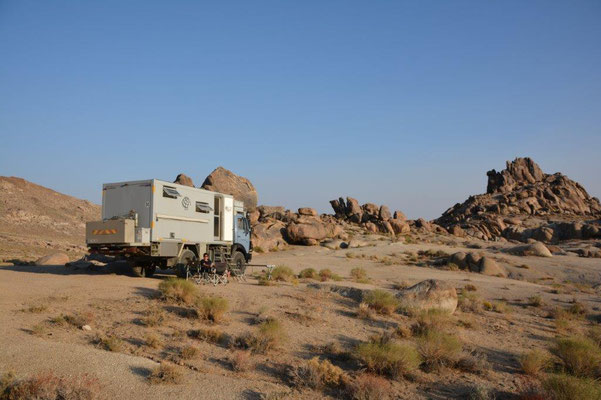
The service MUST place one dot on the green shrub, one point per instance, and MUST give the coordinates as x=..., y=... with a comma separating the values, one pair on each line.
x=434, y=319
x=270, y=334
x=534, y=362
x=565, y=387
x=282, y=273
x=388, y=358
x=212, y=308
x=381, y=301
x=580, y=356
x=439, y=349
x=308, y=273
x=179, y=291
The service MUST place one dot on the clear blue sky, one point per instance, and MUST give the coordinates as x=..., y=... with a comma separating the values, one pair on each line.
x=402, y=103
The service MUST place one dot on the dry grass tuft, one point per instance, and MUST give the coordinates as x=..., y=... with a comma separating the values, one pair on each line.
x=470, y=288
x=109, y=343
x=318, y=374
x=282, y=273
x=36, y=309
x=47, y=386
x=153, y=340
x=535, y=301
x=369, y=387
x=431, y=320
x=188, y=352
x=439, y=349
x=534, y=362
x=241, y=361
x=270, y=335
x=381, y=301
x=388, y=358
x=359, y=275
x=166, y=373
x=179, y=291
x=308, y=273
x=154, y=316
x=208, y=335
x=212, y=308
x=565, y=387
x=468, y=301
x=579, y=356
x=325, y=274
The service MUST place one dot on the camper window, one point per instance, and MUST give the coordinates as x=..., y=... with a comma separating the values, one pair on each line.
x=203, y=207
x=170, y=192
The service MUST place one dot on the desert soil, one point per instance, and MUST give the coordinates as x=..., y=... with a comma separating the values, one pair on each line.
x=312, y=314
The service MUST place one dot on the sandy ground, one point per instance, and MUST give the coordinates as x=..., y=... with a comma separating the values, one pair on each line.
x=313, y=318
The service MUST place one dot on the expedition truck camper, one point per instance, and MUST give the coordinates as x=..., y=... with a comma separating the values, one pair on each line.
x=154, y=223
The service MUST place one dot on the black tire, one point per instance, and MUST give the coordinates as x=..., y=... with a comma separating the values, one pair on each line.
x=186, y=259
x=239, y=261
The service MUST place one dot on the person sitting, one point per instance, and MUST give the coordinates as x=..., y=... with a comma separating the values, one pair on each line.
x=206, y=264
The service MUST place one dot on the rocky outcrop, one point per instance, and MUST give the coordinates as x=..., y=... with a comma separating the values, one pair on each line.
x=429, y=294
x=269, y=235
x=536, y=249
x=225, y=181
x=184, y=179
x=476, y=263
x=523, y=202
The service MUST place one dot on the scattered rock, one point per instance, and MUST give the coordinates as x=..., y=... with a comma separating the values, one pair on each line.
x=86, y=328
x=429, y=294
x=53, y=259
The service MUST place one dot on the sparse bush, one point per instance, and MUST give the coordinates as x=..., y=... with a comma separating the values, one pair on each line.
x=317, y=374
x=594, y=334
x=241, y=361
x=388, y=358
x=325, y=274
x=212, y=308
x=535, y=301
x=439, y=349
x=468, y=301
x=308, y=273
x=400, y=285
x=270, y=335
x=369, y=387
x=208, y=335
x=480, y=392
x=179, y=291
x=364, y=311
x=487, y=305
x=501, y=307
x=153, y=317
x=565, y=387
x=359, y=275
x=580, y=356
x=38, y=329
x=109, y=343
x=534, y=362
x=336, y=278
x=577, y=309
x=470, y=288
x=282, y=273
x=431, y=320
x=381, y=301
x=264, y=281
x=36, y=308
x=258, y=249
x=188, y=352
x=47, y=386
x=166, y=373
x=474, y=362
x=79, y=319
x=153, y=341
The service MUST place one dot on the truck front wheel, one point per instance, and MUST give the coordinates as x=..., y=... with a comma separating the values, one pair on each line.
x=239, y=262
x=185, y=260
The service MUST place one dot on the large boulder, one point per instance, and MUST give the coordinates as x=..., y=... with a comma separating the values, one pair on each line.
x=269, y=235
x=225, y=181
x=184, y=179
x=311, y=212
x=488, y=266
x=385, y=214
x=53, y=259
x=309, y=233
x=399, y=226
x=459, y=259
x=275, y=212
x=429, y=294
x=536, y=249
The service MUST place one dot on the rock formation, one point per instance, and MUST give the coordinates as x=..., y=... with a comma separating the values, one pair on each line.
x=522, y=202
x=184, y=179
x=225, y=181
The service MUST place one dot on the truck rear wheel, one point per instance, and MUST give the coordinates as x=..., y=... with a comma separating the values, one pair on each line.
x=141, y=270
x=185, y=260
x=239, y=262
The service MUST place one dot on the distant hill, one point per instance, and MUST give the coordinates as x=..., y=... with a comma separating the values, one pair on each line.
x=35, y=220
